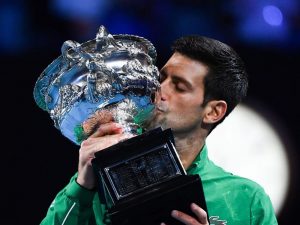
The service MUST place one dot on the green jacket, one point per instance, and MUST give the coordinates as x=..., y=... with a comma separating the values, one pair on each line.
x=231, y=200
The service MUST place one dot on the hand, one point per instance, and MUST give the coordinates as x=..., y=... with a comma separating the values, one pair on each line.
x=201, y=216
x=95, y=120
x=105, y=136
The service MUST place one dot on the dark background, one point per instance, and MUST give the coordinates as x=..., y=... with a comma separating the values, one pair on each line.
x=37, y=161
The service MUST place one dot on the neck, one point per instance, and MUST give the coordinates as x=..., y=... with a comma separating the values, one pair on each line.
x=189, y=146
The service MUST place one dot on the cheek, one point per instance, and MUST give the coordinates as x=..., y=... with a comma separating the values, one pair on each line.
x=187, y=105
x=185, y=111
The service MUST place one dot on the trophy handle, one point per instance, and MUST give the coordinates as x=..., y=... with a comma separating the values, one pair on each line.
x=72, y=51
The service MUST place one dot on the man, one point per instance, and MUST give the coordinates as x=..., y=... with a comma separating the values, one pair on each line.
x=201, y=84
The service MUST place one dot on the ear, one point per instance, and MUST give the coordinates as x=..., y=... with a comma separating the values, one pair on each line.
x=214, y=111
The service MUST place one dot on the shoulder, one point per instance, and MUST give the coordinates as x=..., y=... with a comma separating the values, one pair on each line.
x=218, y=176
x=227, y=193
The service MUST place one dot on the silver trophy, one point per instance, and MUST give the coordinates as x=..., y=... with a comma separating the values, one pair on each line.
x=112, y=74
x=113, y=77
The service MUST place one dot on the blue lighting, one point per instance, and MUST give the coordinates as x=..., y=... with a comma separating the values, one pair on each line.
x=272, y=15
x=80, y=9
x=12, y=28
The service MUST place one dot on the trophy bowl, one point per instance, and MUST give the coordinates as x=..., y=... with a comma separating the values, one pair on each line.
x=111, y=74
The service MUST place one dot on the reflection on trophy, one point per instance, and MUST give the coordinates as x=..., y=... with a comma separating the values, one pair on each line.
x=113, y=77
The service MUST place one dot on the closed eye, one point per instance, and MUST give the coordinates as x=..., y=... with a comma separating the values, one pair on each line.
x=180, y=87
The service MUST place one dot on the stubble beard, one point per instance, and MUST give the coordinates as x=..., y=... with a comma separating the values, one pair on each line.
x=156, y=121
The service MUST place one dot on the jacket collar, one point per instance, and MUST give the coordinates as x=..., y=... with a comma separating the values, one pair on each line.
x=199, y=162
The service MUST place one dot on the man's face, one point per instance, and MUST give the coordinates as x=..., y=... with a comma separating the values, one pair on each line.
x=179, y=103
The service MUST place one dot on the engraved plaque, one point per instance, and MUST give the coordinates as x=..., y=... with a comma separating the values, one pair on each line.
x=142, y=171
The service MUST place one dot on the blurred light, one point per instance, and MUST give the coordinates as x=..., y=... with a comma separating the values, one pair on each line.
x=266, y=24
x=246, y=145
x=272, y=15
x=254, y=29
x=80, y=9
x=12, y=23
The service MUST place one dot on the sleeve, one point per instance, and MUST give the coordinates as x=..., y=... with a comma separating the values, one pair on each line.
x=72, y=206
x=262, y=212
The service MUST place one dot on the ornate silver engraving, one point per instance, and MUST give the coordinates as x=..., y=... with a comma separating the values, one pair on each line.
x=111, y=70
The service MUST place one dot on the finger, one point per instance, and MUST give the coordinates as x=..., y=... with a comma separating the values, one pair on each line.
x=184, y=218
x=92, y=145
x=107, y=129
x=96, y=119
x=110, y=140
x=104, y=116
x=200, y=213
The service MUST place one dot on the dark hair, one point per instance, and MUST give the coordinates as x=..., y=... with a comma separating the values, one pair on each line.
x=227, y=78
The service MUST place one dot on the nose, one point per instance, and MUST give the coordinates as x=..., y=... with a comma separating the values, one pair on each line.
x=161, y=93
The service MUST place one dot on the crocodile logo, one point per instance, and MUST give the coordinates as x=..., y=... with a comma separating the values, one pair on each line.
x=214, y=220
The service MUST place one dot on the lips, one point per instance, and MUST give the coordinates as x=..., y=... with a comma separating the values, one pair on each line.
x=161, y=108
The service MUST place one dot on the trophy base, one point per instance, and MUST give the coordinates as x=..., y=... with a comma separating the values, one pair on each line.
x=141, y=180
x=156, y=207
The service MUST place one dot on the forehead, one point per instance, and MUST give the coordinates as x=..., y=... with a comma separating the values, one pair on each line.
x=184, y=67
